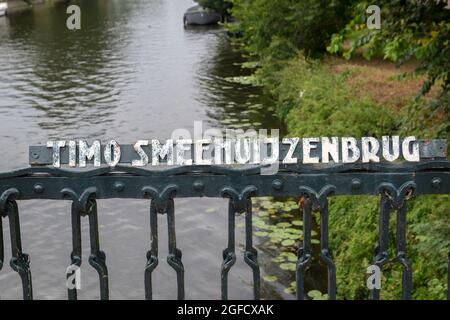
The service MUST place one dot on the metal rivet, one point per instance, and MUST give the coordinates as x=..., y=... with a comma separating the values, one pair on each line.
x=356, y=184
x=277, y=184
x=38, y=188
x=35, y=155
x=119, y=186
x=198, y=186
x=436, y=183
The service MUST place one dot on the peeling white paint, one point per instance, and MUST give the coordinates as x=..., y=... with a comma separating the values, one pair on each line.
x=201, y=146
x=293, y=142
x=247, y=150
x=72, y=153
x=242, y=151
x=386, y=142
x=410, y=155
x=370, y=147
x=112, y=153
x=275, y=151
x=143, y=161
x=183, y=146
x=56, y=145
x=309, y=144
x=88, y=153
x=350, y=151
x=330, y=148
x=162, y=152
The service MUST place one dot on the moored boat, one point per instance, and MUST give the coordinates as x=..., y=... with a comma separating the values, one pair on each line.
x=3, y=7
x=198, y=15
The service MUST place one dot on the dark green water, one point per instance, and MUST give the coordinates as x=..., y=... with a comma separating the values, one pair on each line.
x=132, y=72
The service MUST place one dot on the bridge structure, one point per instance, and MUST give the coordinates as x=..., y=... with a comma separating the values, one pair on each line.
x=394, y=184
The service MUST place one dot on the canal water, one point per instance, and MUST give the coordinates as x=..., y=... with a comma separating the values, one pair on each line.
x=132, y=72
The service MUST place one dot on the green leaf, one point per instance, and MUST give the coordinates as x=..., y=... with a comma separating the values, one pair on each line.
x=270, y=278
x=288, y=242
x=288, y=266
x=283, y=224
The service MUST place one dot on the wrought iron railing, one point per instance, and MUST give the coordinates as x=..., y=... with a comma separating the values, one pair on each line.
x=394, y=183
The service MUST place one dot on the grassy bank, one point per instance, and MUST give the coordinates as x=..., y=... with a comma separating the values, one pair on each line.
x=336, y=97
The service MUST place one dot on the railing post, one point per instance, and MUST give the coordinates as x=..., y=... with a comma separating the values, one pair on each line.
x=2, y=250
x=251, y=254
x=97, y=258
x=381, y=256
x=86, y=205
x=229, y=254
x=240, y=202
x=448, y=277
x=162, y=202
x=315, y=202
x=174, y=257
x=401, y=251
x=75, y=255
x=20, y=262
x=304, y=253
x=325, y=252
x=152, y=255
x=394, y=198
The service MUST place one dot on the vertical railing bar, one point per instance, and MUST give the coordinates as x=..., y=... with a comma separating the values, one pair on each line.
x=174, y=258
x=304, y=253
x=229, y=254
x=325, y=252
x=251, y=254
x=152, y=255
x=97, y=259
x=381, y=252
x=75, y=255
x=20, y=261
x=2, y=248
x=401, y=251
x=448, y=277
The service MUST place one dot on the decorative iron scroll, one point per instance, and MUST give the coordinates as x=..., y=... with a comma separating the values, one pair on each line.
x=394, y=183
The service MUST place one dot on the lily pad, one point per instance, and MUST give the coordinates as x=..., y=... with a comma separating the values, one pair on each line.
x=270, y=278
x=288, y=266
x=288, y=242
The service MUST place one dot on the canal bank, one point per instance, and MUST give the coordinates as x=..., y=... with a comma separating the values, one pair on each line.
x=355, y=97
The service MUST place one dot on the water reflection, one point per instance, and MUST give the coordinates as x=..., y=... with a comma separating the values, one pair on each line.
x=69, y=78
x=232, y=104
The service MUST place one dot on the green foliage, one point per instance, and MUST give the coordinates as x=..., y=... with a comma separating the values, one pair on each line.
x=275, y=29
x=221, y=6
x=353, y=228
x=314, y=101
x=409, y=29
x=317, y=295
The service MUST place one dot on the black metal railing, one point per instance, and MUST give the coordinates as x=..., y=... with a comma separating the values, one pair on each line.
x=394, y=183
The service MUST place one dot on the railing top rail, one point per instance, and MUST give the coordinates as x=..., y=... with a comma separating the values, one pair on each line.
x=426, y=177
